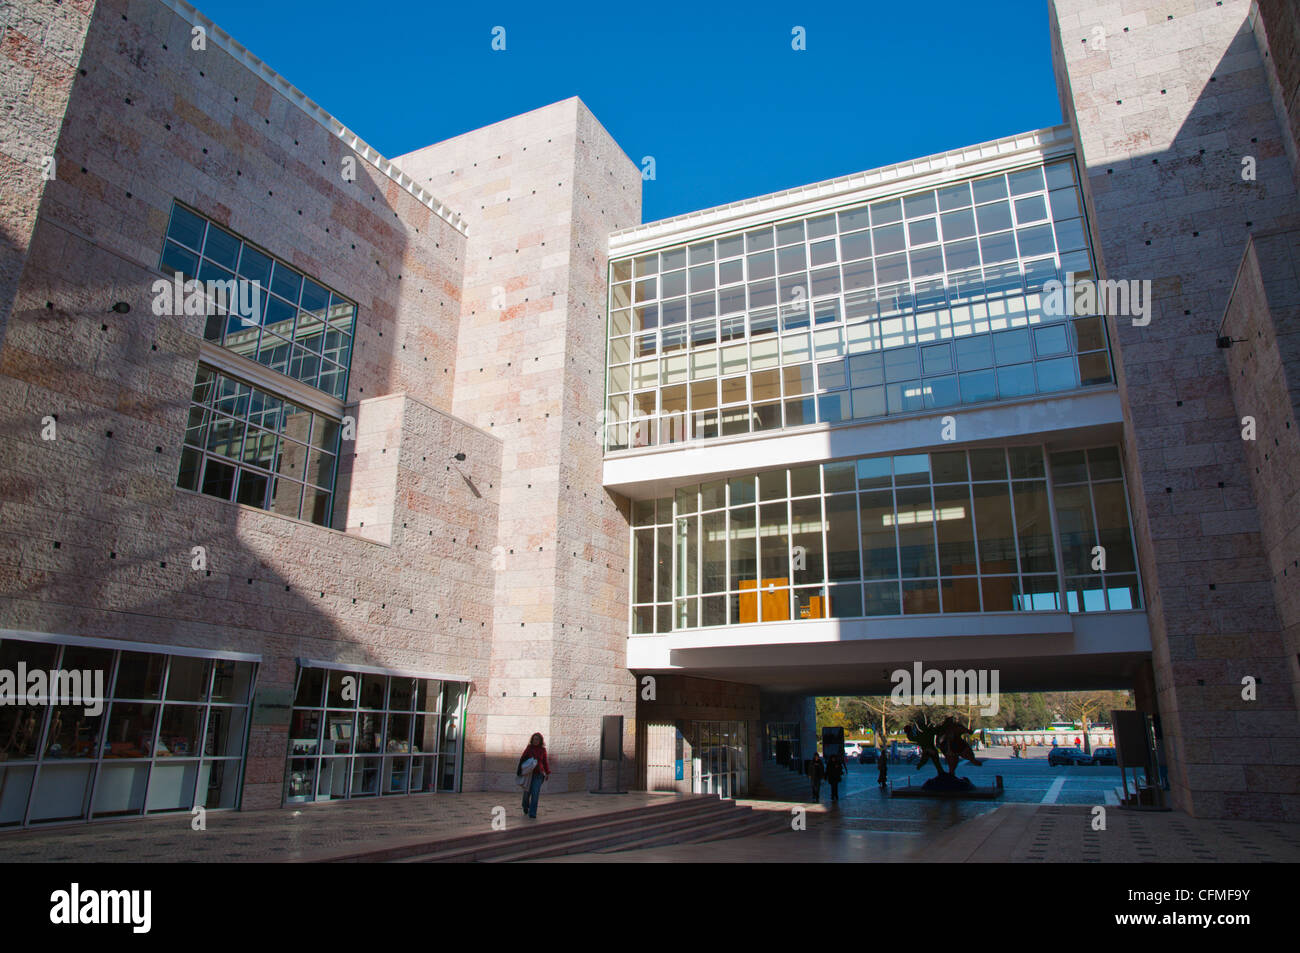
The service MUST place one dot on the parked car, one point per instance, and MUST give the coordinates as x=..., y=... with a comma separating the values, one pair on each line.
x=868, y=755
x=1104, y=756
x=1068, y=756
x=906, y=753
x=851, y=749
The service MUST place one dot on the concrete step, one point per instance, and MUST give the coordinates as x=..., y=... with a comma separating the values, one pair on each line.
x=590, y=833
x=756, y=823
x=731, y=821
x=520, y=828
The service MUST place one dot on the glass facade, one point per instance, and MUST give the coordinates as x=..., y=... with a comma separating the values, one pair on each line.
x=171, y=735
x=919, y=302
x=720, y=765
x=1003, y=529
x=250, y=446
x=782, y=743
x=355, y=734
x=301, y=328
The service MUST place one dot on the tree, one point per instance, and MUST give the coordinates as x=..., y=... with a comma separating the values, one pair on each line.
x=830, y=713
x=1084, y=707
x=878, y=711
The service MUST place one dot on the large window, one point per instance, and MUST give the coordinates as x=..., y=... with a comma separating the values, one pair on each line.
x=171, y=735
x=1092, y=516
x=357, y=734
x=927, y=301
x=250, y=446
x=299, y=327
x=981, y=530
x=248, y=442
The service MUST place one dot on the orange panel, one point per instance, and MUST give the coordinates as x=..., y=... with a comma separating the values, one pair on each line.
x=748, y=601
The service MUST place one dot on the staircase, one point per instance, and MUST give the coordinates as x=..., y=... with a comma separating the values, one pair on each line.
x=689, y=819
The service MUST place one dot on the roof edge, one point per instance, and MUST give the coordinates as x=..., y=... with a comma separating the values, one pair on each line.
x=250, y=61
x=926, y=171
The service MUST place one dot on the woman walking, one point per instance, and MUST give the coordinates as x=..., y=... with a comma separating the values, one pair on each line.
x=534, y=769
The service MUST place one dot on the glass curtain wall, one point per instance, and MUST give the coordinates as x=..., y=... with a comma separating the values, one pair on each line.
x=981, y=530
x=356, y=734
x=171, y=735
x=301, y=328
x=250, y=446
x=907, y=304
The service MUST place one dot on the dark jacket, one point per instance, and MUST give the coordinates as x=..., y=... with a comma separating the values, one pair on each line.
x=834, y=769
x=817, y=770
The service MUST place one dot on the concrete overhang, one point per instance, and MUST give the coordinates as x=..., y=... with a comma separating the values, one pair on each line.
x=1032, y=651
x=1059, y=420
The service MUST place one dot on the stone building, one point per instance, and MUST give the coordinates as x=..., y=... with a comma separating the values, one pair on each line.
x=350, y=473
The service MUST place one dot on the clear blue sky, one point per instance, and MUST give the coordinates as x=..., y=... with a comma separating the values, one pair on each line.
x=715, y=94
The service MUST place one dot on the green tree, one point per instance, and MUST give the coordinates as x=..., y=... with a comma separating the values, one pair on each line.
x=830, y=712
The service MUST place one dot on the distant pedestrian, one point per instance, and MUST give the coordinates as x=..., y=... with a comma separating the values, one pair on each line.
x=533, y=770
x=816, y=771
x=882, y=773
x=835, y=774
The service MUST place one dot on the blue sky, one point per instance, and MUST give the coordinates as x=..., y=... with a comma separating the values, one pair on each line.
x=715, y=94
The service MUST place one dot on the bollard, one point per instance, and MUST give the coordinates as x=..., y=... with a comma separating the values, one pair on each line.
x=998, y=782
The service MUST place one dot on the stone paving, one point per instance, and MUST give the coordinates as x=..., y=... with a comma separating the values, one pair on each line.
x=863, y=826
x=866, y=827
x=1064, y=834
x=312, y=832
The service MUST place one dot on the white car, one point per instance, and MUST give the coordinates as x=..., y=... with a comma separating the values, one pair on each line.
x=852, y=749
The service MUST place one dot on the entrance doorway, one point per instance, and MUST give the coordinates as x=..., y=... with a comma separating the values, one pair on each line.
x=721, y=763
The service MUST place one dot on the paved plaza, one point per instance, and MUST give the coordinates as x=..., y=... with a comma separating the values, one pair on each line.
x=1046, y=815
x=312, y=832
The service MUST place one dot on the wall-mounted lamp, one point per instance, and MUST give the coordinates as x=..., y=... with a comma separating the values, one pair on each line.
x=459, y=458
x=121, y=307
x=1227, y=342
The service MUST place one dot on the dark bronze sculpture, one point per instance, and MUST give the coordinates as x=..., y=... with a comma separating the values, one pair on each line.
x=939, y=742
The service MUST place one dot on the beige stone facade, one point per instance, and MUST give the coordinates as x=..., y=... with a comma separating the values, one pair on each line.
x=503, y=569
x=472, y=536
x=1171, y=104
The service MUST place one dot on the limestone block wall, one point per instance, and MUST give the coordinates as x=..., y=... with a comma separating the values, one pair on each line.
x=1263, y=319
x=541, y=192
x=40, y=46
x=1276, y=25
x=95, y=538
x=1166, y=99
x=367, y=479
